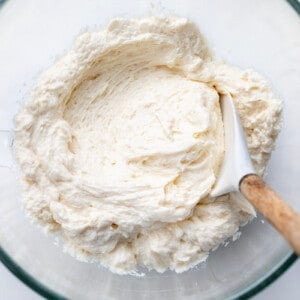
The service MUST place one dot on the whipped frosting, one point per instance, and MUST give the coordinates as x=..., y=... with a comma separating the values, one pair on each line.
x=121, y=141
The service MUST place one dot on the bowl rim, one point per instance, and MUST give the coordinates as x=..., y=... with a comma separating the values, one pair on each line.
x=48, y=293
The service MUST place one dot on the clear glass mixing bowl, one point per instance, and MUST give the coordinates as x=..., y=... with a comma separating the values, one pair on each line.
x=259, y=34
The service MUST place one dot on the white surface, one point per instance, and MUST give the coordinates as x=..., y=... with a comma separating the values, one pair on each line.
x=286, y=287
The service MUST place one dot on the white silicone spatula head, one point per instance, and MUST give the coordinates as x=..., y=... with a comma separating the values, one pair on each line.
x=237, y=162
x=237, y=174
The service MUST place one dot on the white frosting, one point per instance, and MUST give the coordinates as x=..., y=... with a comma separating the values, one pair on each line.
x=121, y=141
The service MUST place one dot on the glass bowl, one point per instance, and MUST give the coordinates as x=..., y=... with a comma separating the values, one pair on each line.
x=251, y=34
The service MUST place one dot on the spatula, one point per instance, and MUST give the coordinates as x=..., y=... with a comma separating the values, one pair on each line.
x=237, y=174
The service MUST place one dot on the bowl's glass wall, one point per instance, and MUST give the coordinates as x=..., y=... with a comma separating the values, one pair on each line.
x=251, y=34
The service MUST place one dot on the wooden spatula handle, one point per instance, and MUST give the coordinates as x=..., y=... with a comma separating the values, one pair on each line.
x=276, y=211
